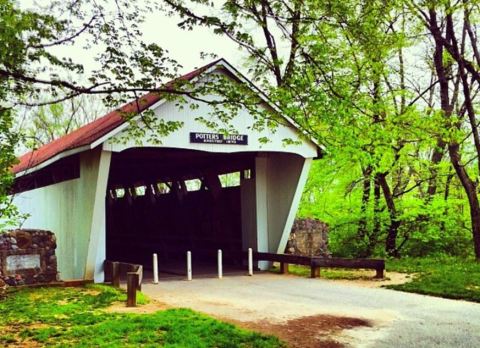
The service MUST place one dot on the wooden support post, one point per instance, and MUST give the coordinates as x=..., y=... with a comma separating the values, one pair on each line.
x=314, y=271
x=139, y=271
x=132, y=284
x=379, y=273
x=283, y=268
x=116, y=274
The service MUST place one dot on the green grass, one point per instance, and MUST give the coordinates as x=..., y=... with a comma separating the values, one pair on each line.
x=75, y=317
x=329, y=273
x=447, y=277
x=444, y=277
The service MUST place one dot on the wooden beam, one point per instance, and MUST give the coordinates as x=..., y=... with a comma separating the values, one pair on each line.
x=349, y=263
x=283, y=267
x=116, y=274
x=293, y=259
x=316, y=262
x=132, y=284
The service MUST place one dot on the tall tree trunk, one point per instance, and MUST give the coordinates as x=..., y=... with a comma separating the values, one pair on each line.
x=437, y=156
x=377, y=226
x=448, y=183
x=447, y=108
x=392, y=232
x=471, y=190
x=362, y=223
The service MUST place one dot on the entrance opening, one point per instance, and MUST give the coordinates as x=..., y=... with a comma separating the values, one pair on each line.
x=170, y=201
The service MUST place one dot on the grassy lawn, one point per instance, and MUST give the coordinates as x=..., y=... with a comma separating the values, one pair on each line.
x=76, y=317
x=444, y=277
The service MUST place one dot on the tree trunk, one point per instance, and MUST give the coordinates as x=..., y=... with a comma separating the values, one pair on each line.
x=376, y=230
x=392, y=233
x=471, y=191
x=362, y=224
x=435, y=160
x=447, y=108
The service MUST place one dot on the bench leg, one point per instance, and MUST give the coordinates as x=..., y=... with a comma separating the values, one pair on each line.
x=314, y=272
x=283, y=268
x=380, y=273
x=115, y=274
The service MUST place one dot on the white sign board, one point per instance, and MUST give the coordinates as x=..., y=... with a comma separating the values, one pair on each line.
x=17, y=262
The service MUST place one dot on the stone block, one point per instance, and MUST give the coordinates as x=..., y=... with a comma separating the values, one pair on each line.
x=27, y=257
x=309, y=237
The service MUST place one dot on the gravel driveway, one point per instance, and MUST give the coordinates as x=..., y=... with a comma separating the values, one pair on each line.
x=398, y=319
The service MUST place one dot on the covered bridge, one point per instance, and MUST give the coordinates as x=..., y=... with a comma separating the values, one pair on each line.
x=197, y=190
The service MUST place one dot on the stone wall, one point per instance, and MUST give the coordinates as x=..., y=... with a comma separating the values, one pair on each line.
x=309, y=237
x=27, y=257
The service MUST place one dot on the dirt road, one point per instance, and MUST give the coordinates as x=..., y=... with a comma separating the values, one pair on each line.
x=351, y=315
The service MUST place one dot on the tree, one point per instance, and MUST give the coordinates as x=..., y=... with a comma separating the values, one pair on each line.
x=453, y=33
x=342, y=72
x=31, y=67
x=43, y=124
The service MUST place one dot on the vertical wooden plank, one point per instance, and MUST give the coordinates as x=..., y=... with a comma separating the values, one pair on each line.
x=96, y=252
x=116, y=274
x=139, y=272
x=283, y=268
x=107, y=266
x=140, y=277
x=132, y=284
x=314, y=271
x=379, y=273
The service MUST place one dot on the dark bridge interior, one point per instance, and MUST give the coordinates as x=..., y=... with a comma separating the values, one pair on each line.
x=170, y=201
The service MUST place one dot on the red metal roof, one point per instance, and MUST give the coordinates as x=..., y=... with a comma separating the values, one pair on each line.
x=93, y=131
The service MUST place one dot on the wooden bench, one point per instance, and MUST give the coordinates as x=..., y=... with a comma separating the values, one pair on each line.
x=315, y=263
x=115, y=270
x=377, y=264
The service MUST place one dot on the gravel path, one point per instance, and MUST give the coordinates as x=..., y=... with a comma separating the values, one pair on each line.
x=398, y=319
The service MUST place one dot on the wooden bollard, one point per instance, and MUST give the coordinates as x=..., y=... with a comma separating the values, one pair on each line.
x=283, y=268
x=132, y=284
x=116, y=274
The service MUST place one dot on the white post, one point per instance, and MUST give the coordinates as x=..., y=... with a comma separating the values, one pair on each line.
x=220, y=266
x=189, y=265
x=155, y=269
x=250, y=262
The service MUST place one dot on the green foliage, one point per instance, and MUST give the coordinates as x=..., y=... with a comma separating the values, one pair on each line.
x=33, y=73
x=359, y=77
x=333, y=194
x=449, y=277
x=75, y=317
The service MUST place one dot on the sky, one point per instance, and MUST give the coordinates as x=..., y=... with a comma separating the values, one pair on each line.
x=184, y=46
